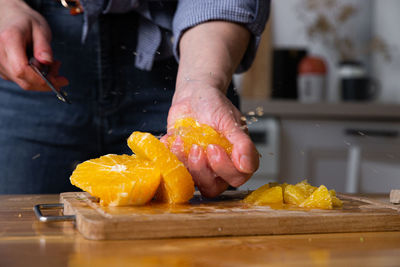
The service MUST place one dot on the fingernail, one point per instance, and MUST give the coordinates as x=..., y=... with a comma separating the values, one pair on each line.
x=194, y=153
x=213, y=152
x=46, y=56
x=245, y=164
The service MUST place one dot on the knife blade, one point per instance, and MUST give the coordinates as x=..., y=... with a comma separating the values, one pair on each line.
x=42, y=70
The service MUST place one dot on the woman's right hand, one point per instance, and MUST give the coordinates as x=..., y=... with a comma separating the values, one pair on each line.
x=23, y=29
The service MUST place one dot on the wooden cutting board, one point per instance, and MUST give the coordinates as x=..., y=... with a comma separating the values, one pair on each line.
x=225, y=216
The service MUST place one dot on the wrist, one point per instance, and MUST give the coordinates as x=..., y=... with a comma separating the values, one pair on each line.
x=209, y=55
x=209, y=77
x=198, y=87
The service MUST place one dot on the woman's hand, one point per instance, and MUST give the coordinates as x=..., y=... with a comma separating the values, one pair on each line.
x=209, y=54
x=23, y=29
x=213, y=170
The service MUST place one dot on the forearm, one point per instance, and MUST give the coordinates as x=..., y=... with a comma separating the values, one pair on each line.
x=210, y=54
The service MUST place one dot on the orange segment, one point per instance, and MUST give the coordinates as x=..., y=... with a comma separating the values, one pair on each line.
x=320, y=199
x=176, y=184
x=306, y=187
x=336, y=202
x=267, y=196
x=253, y=196
x=193, y=132
x=118, y=180
x=294, y=195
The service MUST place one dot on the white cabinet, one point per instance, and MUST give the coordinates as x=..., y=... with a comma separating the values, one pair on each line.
x=344, y=155
x=265, y=133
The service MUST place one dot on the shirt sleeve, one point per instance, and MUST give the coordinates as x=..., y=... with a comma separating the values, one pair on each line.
x=253, y=14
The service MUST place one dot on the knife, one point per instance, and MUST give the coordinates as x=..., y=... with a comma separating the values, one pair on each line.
x=42, y=70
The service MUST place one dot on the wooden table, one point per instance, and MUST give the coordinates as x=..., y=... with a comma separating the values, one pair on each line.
x=26, y=242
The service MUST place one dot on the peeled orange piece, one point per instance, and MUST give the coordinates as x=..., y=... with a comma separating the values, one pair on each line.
x=193, y=132
x=301, y=194
x=306, y=187
x=320, y=199
x=336, y=202
x=265, y=196
x=176, y=182
x=253, y=196
x=277, y=184
x=118, y=180
x=294, y=195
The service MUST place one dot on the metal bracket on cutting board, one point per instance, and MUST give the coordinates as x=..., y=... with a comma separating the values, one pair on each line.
x=60, y=218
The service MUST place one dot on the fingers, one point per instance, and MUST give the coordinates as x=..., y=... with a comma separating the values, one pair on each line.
x=164, y=140
x=206, y=179
x=41, y=37
x=178, y=149
x=223, y=166
x=208, y=183
x=21, y=73
x=244, y=154
x=21, y=30
x=213, y=171
x=15, y=65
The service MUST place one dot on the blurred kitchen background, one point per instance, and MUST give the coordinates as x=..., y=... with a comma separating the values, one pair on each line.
x=322, y=99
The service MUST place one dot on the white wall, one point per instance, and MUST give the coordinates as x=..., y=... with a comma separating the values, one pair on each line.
x=387, y=25
x=373, y=16
x=287, y=28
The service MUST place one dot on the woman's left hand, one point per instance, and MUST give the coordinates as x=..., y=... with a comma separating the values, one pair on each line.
x=214, y=170
x=209, y=54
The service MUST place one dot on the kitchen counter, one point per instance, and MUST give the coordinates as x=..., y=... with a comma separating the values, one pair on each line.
x=24, y=241
x=341, y=110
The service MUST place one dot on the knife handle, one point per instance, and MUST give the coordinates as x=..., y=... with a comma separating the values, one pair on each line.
x=44, y=69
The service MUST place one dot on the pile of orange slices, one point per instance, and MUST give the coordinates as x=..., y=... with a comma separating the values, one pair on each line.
x=301, y=195
x=120, y=180
x=153, y=171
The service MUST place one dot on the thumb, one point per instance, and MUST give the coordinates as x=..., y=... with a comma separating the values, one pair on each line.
x=41, y=37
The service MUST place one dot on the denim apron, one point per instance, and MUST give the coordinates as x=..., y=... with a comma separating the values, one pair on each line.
x=43, y=139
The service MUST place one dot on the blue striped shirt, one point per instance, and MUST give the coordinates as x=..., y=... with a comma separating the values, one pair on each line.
x=162, y=23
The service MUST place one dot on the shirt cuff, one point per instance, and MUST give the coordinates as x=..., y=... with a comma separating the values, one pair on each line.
x=253, y=14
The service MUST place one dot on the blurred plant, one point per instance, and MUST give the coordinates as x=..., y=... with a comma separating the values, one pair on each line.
x=325, y=21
